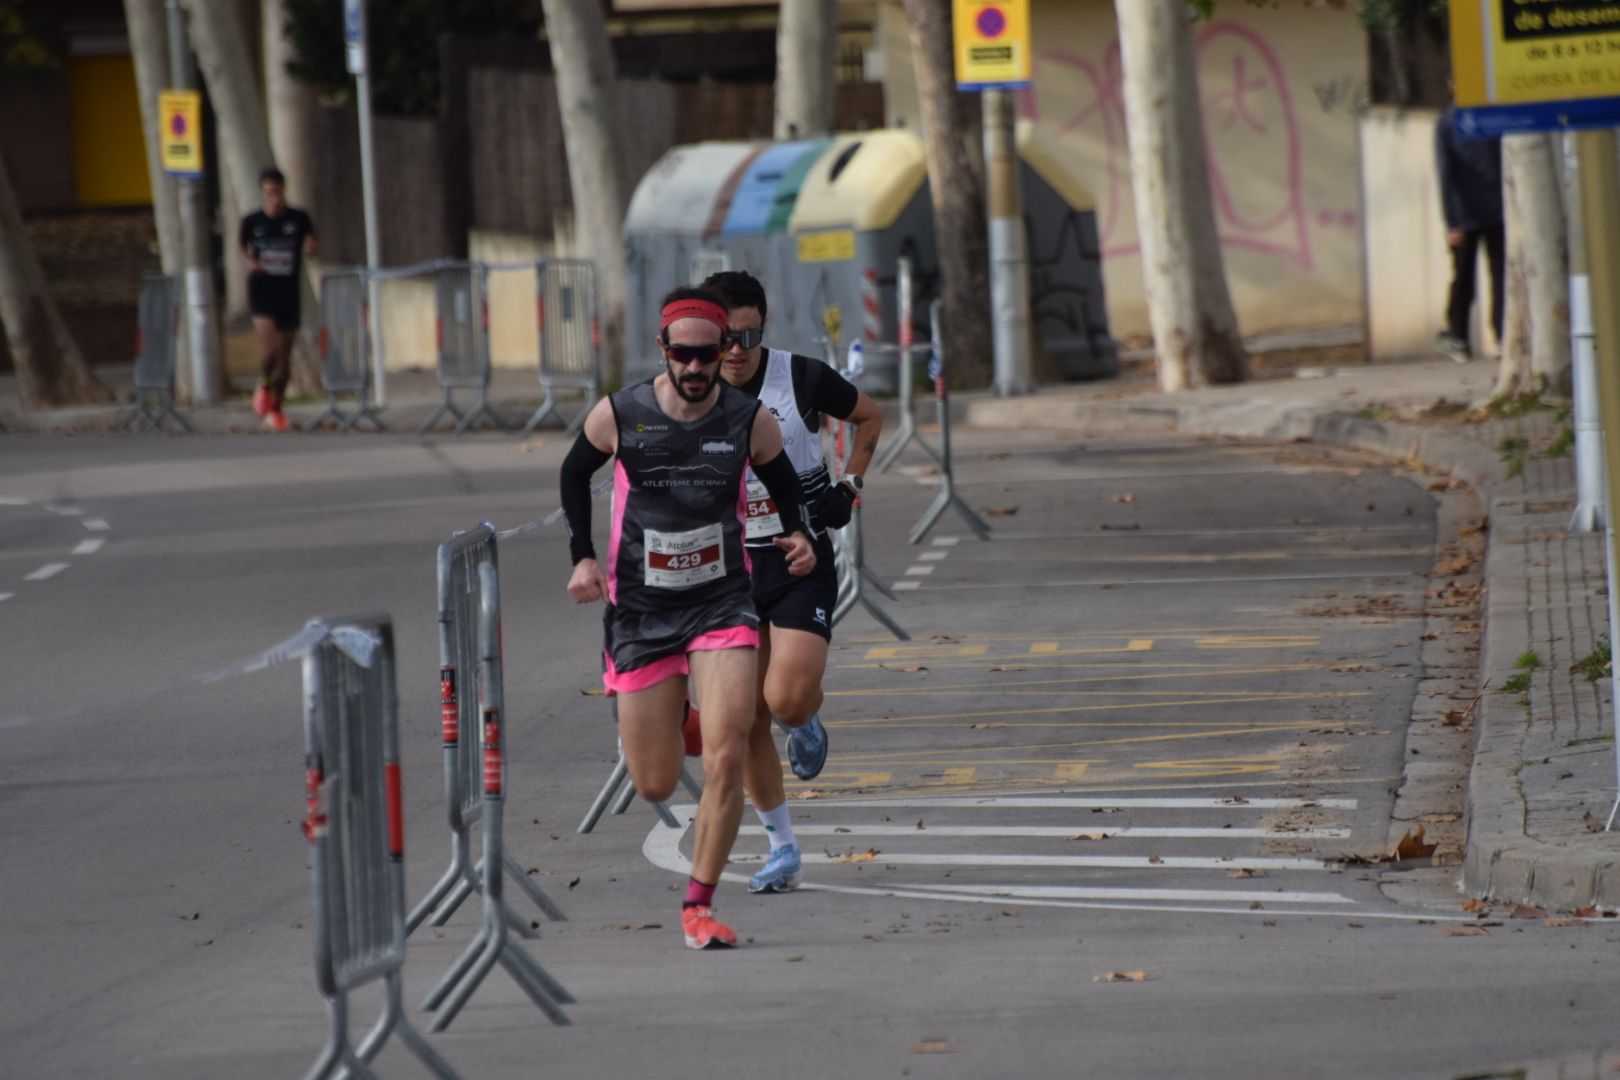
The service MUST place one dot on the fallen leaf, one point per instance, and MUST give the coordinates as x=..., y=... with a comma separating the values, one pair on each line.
x=1585, y=912
x=598, y=692
x=1528, y=911
x=1411, y=846
x=919, y=823
x=1463, y=931
x=1355, y=926
x=1454, y=718
x=1089, y=836
x=1236, y=800
x=1122, y=976
x=1000, y=511
x=1154, y=860
x=855, y=856
x=943, y=637
x=808, y=793
x=1125, y=498
x=794, y=959
x=840, y=829
x=1562, y=922
x=913, y=669
x=1122, y=528
x=1592, y=823
x=1473, y=906
x=932, y=1046
x=1245, y=871
x=571, y=884
x=1006, y=667
x=1440, y=819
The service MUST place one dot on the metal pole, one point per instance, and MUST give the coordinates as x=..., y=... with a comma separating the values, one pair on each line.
x=202, y=317
x=1589, y=510
x=1009, y=249
x=1600, y=208
x=357, y=52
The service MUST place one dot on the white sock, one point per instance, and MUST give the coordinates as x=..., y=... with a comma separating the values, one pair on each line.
x=778, y=826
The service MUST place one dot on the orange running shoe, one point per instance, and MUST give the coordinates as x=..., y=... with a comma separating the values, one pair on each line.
x=704, y=931
x=277, y=420
x=261, y=401
x=692, y=732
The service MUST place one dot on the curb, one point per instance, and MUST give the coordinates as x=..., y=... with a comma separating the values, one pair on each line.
x=1501, y=862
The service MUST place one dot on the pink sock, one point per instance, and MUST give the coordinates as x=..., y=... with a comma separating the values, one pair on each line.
x=698, y=893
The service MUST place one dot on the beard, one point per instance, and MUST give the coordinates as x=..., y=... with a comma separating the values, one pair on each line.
x=691, y=386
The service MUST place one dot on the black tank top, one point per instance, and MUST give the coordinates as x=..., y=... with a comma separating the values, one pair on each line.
x=676, y=540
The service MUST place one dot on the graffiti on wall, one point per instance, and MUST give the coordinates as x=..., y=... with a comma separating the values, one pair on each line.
x=1251, y=131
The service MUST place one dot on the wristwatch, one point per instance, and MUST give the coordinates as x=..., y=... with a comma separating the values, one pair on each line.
x=854, y=482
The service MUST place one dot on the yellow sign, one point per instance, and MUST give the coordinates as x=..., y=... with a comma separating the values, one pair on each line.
x=827, y=246
x=180, y=120
x=992, y=43
x=1514, y=52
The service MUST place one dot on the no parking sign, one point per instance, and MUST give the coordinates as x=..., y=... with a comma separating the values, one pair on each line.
x=180, y=141
x=991, y=44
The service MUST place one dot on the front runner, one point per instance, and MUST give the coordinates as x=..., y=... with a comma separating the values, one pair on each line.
x=795, y=612
x=676, y=582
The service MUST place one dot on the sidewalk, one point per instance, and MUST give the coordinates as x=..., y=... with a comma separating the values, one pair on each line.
x=1543, y=772
x=1543, y=769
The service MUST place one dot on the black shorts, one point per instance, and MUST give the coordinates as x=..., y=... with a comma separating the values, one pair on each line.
x=632, y=640
x=274, y=298
x=797, y=603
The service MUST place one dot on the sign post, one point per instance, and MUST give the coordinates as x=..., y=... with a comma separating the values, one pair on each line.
x=180, y=142
x=1524, y=68
x=992, y=49
x=356, y=55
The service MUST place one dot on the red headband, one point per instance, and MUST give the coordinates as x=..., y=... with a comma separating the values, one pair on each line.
x=693, y=309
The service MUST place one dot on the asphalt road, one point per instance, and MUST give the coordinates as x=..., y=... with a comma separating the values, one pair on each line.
x=1136, y=731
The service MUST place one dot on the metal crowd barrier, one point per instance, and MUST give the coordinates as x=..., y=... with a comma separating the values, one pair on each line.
x=947, y=496
x=157, y=338
x=568, y=319
x=493, y=943
x=461, y=330
x=907, y=347
x=620, y=793
x=849, y=549
x=346, y=349
x=461, y=688
x=353, y=818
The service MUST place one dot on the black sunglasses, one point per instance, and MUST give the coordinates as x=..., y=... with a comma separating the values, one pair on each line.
x=745, y=339
x=693, y=354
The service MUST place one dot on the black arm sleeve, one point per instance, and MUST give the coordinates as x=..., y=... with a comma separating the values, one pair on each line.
x=783, y=483
x=583, y=459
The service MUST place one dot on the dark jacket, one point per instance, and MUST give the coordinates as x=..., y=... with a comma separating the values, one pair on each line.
x=1470, y=176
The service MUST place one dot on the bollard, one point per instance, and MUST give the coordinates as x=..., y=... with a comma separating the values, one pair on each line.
x=947, y=496
x=353, y=818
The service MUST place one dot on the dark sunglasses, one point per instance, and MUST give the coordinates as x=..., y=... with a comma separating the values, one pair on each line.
x=745, y=339
x=693, y=354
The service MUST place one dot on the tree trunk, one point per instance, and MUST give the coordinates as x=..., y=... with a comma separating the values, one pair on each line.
x=806, y=56
x=583, y=63
x=1546, y=257
x=1513, y=365
x=220, y=41
x=50, y=368
x=1189, y=307
x=149, y=45
x=952, y=125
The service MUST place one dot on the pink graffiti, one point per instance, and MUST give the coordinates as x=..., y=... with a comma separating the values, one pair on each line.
x=1249, y=124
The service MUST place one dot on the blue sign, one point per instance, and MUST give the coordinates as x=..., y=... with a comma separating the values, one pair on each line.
x=354, y=21
x=1494, y=121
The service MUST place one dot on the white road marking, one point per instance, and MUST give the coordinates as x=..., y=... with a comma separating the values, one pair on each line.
x=13, y=500
x=932, y=556
x=1071, y=802
x=47, y=571
x=901, y=586
x=1060, y=832
x=65, y=511
x=945, y=541
x=6, y=595
x=1075, y=892
x=94, y=524
x=919, y=571
x=88, y=547
x=1095, y=862
x=1391, y=575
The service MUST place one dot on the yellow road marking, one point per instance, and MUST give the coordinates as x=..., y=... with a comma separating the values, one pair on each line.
x=1072, y=771
x=901, y=721
x=1191, y=767
x=924, y=652
x=894, y=757
x=1264, y=641
x=1053, y=648
x=1202, y=671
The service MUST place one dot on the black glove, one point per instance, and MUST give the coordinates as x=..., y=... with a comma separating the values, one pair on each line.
x=833, y=506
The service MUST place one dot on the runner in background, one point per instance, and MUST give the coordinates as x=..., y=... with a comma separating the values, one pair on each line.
x=274, y=241
x=795, y=612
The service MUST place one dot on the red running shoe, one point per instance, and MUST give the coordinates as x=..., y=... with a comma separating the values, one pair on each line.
x=704, y=931
x=276, y=419
x=261, y=401
x=692, y=732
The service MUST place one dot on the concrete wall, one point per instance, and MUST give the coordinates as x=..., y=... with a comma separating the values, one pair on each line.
x=1408, y=265
x=1282, y=88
